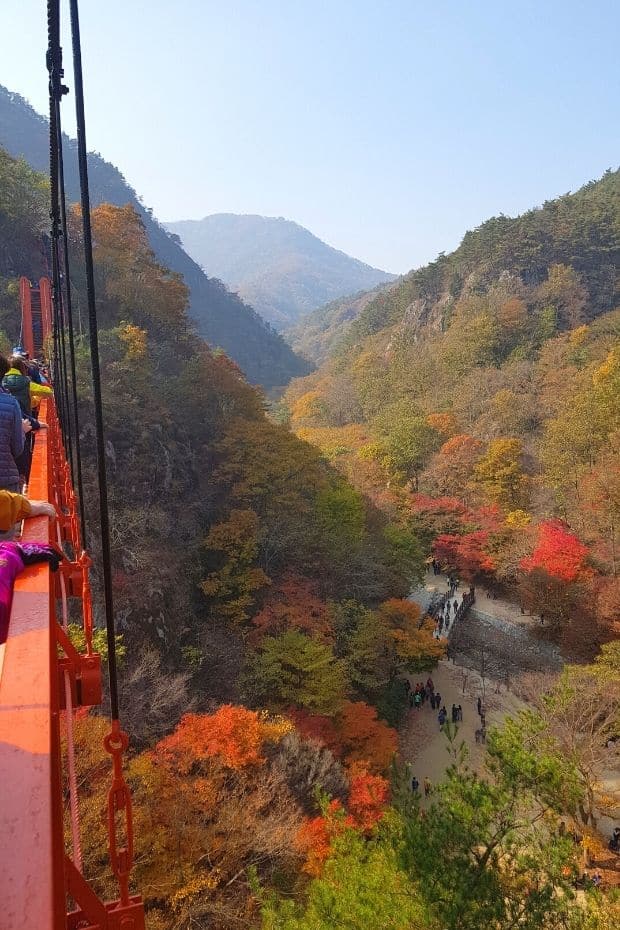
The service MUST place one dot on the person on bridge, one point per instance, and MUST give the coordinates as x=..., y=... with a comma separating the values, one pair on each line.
x=16, y=507
x=32, y=366
x=17, y=382
x=11, y=437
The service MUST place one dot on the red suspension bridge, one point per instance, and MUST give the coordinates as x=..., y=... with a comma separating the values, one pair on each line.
x=44, y=679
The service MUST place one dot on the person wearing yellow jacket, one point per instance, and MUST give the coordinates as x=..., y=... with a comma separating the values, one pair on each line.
x=23, y=388
x=16, y=507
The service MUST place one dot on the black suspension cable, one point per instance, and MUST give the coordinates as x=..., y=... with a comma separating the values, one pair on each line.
x=94, y=355
x=59, y=381
x=52, y=66
x=58, y=90
x=62, y=327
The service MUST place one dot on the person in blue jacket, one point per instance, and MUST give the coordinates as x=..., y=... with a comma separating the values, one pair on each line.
x=12, y=429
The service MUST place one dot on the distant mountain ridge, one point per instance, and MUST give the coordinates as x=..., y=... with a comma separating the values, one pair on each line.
x=278, y=266
x=221, y=317
x=316, y=335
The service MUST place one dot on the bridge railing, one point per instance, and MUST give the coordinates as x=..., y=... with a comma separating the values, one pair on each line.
x=42, y=677
x=31, y=877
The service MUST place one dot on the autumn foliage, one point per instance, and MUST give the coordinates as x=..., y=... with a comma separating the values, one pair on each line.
x=466, y=554
x=316, y=727
x=356, y=735
x=365, y=738
x=368, y=798
x=234, y=735
x=293, y=603
x=558, y=552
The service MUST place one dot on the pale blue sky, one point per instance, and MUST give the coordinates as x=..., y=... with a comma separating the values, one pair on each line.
x=387, y=128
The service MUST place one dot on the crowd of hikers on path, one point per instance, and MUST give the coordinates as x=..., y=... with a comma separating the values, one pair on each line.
x=447, y=609
x=421, y=695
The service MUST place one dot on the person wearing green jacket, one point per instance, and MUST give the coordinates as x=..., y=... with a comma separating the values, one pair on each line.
x=23, y=388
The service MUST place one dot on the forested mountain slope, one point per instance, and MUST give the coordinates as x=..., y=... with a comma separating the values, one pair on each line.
x=276, y=265
x=221, y=317
x=245, y=569
x=315, y=336
x=482, y=393
x=581, y=230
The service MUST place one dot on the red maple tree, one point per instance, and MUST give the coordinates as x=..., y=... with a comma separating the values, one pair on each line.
x=466, y=554
x=558, y=552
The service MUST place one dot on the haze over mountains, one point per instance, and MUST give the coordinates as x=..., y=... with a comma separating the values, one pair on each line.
x=279, y=267
x=221, y=317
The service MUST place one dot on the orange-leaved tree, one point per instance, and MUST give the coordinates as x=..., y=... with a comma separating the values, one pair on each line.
x=364, y=738
x=234, y=735
x=413, y=641
x=293, y=603
x=368, y=797
x=452, y=468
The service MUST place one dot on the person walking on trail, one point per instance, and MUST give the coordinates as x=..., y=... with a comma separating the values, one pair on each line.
x=417, y=700
x=442, y=716
x=428, y=787
x=415, y=784
x=454, y=714
x=459, y=713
